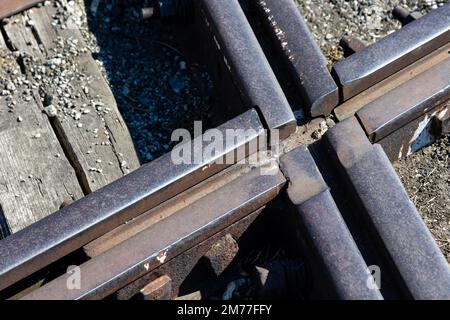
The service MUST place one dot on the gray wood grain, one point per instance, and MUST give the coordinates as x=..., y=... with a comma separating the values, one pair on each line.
x=100, y=149
x=35, y=175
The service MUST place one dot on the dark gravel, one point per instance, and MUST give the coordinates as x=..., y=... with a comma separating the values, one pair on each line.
x=157, y=89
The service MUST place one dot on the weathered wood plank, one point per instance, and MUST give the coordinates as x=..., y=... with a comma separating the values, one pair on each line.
x=21, y=37
x=10, y=7
x=88, y=124
x=35, y=175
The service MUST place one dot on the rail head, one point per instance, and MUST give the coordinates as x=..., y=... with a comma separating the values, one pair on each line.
x=302, y=54
x=391, y=217
x=248, y=64
x=394, y=52
x=103, y=210
x=166, y=239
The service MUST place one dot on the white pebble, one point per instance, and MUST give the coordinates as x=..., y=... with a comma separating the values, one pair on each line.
x=54, y=62
x=11, y=86
x=51, y=111
x=76, y=115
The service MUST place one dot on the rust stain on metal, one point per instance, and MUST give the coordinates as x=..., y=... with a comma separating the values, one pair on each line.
x=190, y=226
x=105, y=209
x=158, y=289
x=407, y=102
x=350, y=107
x=164, y=211
x=181, y=266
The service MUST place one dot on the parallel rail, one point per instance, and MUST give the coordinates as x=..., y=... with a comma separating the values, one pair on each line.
x=393, y=53
x=176, y=212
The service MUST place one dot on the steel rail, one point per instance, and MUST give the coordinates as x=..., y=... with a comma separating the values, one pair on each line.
x=247, y=63
x=305, y=59
x=356, y=103
x=325, y=228
x=162, y=211
x=168, y=238
x=182, y=265
x=99, y=212
x=406, y=102
x=374, y=63
x=389, y=214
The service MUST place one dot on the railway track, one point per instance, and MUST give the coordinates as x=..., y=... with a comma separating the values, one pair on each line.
x=338, y=203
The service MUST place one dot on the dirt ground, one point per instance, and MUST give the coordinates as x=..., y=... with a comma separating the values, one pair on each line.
x=155, y=85
x=426, y=174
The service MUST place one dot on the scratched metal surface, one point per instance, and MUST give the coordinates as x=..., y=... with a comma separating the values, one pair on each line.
x=396, y=226
x=92, y=216
x=165, y=240
x=247, y=63
x=301, y=52
x=394, y=52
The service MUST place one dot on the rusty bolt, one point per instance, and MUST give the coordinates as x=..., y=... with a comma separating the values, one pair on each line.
x=404, y=16
x=221, y=254
x=351, y=44
x=158, y=289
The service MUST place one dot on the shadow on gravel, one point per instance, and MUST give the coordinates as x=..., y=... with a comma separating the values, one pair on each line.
x=158, y=88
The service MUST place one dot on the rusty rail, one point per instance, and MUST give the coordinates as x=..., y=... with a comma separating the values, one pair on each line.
x=247, y=63
x=324, y=226
x=389, y=213
x=300, y=51
x=75, y=225
x=163, y=241
x=406, y=102
x=175, y=213
x=394, y=52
